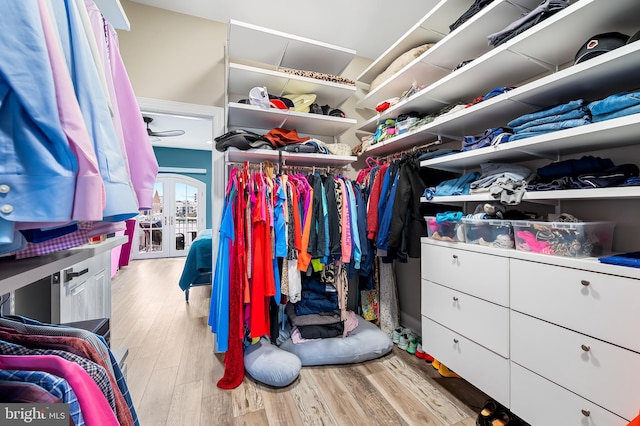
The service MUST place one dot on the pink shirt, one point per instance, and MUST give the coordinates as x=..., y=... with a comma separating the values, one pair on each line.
x=94, y=406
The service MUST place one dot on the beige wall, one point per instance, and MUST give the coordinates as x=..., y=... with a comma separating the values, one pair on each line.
x=173, y=56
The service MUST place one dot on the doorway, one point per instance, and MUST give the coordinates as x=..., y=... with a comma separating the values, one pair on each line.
x=174, y=221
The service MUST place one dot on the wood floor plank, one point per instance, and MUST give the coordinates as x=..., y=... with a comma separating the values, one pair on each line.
x=185, y=405
x=217, y=409
x=139, y=371
x=401, y=397
x=155, y=402
x=254, y=418
x=246, y=398
x=341, y=401
x=370, y=399
x=311, y=405
x=279, y=406
x=424, y=391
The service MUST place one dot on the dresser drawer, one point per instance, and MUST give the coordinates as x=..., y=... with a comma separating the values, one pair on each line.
x=478, y=365
x=540, y=402
x=483, y=322
x=482, y=275
x=600, y=305
x=591, y=368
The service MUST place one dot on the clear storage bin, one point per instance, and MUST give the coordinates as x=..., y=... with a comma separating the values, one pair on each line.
x=489, y=232
x=567, y=239
x=447, y=230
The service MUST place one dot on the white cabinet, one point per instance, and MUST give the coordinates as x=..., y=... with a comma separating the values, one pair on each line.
x=65, y=286
x=257, y=56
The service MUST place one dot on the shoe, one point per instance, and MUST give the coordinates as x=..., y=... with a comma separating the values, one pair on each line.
x=403, y=342
x=412, y=346
x=419, y=351
x=395, y=335
x=487, y=413
x=445, y=372
x=435, y=364
x=502, y=418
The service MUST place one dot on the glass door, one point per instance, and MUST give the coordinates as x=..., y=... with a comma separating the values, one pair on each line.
x=174, y=221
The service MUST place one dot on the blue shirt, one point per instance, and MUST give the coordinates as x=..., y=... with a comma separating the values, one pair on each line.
x=37, y=166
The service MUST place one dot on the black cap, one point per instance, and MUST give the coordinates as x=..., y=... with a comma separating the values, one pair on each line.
x=634, y=37
x=599, y=44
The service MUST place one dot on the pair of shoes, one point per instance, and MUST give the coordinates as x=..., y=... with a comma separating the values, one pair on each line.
x=489, y=410
x=420, y=353
x=445, y=372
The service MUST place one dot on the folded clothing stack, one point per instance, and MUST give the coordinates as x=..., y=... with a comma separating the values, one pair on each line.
x=564, y=116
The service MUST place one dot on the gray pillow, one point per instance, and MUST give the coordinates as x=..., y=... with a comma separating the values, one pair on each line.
x=364, y=343
x=270, y=365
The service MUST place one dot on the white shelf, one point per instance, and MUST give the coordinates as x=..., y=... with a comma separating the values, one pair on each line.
x=242, y=78
x=279, y=49
x=614, y=133
x=614, y=193
x=288, y=158
x=18, y=273
x=250, y=116
x=114, y=13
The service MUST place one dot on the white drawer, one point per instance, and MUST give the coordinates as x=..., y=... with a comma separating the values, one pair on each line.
x=591, y=368
x=606, y=307
x=482, y=275
x=478, y=365
x=481, y=321
x=541, y=402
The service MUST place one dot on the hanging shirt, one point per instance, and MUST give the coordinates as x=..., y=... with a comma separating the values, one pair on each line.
x=355, y=235
x=279, y=220
x=121, y=202
x=38, y=167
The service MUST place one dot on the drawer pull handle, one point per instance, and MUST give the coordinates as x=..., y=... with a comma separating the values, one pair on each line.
x=585, y=412
x=455, y=256
x=585, y=282
x=455, y=298
x=455, y=340
x=585, y=348
x=69, y=274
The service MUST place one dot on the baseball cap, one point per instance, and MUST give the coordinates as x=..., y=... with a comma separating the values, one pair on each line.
x=599, y=44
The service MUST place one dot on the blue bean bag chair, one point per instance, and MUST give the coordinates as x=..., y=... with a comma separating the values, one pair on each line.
x=268, y=364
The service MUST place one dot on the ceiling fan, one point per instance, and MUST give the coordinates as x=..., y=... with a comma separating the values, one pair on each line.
x=162, y=134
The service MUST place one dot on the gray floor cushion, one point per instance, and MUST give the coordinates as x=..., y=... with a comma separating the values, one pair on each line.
x=364, y=343
x=270, y=365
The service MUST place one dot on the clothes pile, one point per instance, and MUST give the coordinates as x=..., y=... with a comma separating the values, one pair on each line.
x=564, y=116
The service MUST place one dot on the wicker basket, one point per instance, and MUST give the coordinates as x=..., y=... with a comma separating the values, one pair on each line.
x=339, y=148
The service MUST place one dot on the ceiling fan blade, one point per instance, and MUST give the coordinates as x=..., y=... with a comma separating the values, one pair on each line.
x=166, y=133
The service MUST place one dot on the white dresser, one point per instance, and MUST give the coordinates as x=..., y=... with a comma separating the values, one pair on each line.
x=554, y=339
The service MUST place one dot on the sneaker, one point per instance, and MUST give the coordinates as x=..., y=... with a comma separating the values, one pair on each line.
x=403, y=342
x=412, y=346
x=419, y=351
x=435, y=364
x=445, y=372
x=395, y=336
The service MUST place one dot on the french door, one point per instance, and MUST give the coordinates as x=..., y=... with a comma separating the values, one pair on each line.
x=174, y=221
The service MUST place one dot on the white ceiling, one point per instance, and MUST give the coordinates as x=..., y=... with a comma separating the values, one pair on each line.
x=367, y=26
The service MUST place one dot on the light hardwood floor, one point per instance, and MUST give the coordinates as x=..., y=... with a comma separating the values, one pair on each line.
x=172, y=370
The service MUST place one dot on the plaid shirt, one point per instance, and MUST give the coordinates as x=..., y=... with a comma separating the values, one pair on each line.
x=31, y=326
x=97, y=373
x=57, y=386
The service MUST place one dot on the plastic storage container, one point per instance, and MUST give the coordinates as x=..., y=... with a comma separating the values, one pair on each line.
x=447, y=230
x=489, y=232
x=567, y=239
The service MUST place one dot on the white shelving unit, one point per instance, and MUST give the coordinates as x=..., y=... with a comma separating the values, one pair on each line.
x=525, y=57
x=289, y=158
x=559, y=326
x=255, y=56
